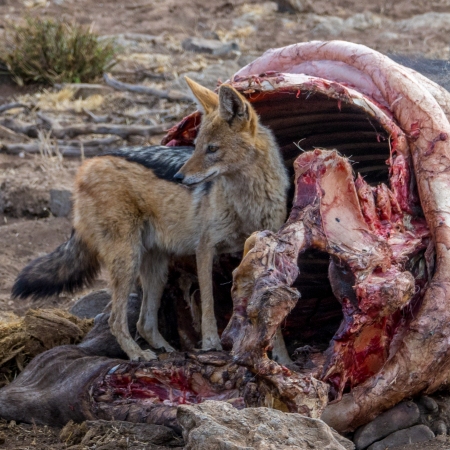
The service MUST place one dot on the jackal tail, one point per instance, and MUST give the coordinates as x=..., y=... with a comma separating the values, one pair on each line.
x=66, y=269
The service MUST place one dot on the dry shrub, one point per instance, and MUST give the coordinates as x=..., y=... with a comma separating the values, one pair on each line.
x=54, y=51
x=40, y=330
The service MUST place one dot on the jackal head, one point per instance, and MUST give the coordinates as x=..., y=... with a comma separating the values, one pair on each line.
x=227, y=137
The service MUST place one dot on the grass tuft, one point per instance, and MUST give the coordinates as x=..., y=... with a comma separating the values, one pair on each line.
x=54, y=51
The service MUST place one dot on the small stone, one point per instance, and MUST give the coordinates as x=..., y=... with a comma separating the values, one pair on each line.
x=210, y=46
x=404, y=415
x=208, y=34
x=2, y=439
x=85, y=90
x=91, y=305
x=439, y=428
x=413, y=435
x=293, y=6
x=60, y=202
x=429, y=404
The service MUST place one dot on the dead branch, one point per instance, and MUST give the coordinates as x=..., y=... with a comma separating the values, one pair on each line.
x=18, y=126
x=9, y=106
x=73, y=150
x=124, y=131
x=112, y=140
x=174, y=96
x=94, y=117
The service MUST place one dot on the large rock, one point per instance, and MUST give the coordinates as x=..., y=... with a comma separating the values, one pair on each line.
x=218, y=426
x=92, y=304
x=404, y=415
x=60, y=202
x=413, y=435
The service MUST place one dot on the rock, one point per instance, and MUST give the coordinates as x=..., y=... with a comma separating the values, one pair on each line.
x=293, y=6
x=209, y=34
x=218, y=425
x=413, y=435
x=426, y=22
x=60, y=202
x=428, y=404
x=245, y=59
x=334, y=26
x=436, y=70
x=404, y=415
x=327, y=26
x=210, y=46
x=85, y=90
x=92, y=304
x=363, y=21
x=2, y=439
x=439, y=428
x=207, y=77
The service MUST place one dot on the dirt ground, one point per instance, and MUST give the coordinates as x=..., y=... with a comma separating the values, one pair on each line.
x=28, y=229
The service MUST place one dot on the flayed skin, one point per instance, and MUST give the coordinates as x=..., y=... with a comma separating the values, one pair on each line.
x=133, y=222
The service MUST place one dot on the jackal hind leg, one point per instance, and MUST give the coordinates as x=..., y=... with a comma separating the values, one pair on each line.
x=153, y=273
x=123, y=263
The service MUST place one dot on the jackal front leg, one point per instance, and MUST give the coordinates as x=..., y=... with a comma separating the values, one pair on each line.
x=205, y=256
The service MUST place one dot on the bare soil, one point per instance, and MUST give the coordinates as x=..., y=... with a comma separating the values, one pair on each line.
x=27, y=228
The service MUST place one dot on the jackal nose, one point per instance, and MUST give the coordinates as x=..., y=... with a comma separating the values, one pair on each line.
x=178, y=176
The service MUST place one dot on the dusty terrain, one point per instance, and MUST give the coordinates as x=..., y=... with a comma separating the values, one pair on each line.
x=28, y=228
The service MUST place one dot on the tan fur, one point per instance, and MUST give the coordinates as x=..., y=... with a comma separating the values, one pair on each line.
x=133, y=221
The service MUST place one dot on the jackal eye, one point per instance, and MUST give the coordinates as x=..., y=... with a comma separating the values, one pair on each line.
x=211, y=148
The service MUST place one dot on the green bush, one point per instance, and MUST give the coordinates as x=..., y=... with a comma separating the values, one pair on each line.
x=50, y=51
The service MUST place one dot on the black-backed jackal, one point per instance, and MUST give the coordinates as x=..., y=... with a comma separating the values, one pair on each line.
x=131, y=216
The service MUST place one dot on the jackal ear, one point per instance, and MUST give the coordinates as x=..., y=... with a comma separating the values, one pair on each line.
x=234, y=107
x=207, y=100
x=231, y=104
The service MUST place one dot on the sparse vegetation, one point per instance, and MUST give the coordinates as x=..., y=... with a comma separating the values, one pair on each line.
x=54, y=51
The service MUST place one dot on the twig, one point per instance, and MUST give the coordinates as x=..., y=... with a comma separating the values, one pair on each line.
x=64, y=150
x=112, y=140
x=9, y=106
x=50, y=122
x=59, y=132
x=175, y=96
x=20, y=127
x=95, y=118
x=123, y=131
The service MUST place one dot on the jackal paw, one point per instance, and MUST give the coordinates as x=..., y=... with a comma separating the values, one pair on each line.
x=211, y=343
x=143, y=355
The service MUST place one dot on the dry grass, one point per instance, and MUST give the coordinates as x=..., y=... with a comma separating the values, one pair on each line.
x=40, y=330
x=51, y=51
x=64, y=100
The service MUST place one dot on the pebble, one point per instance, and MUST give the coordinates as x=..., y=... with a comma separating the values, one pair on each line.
x=413, y=435
x=428, y=403
x=404, y=415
